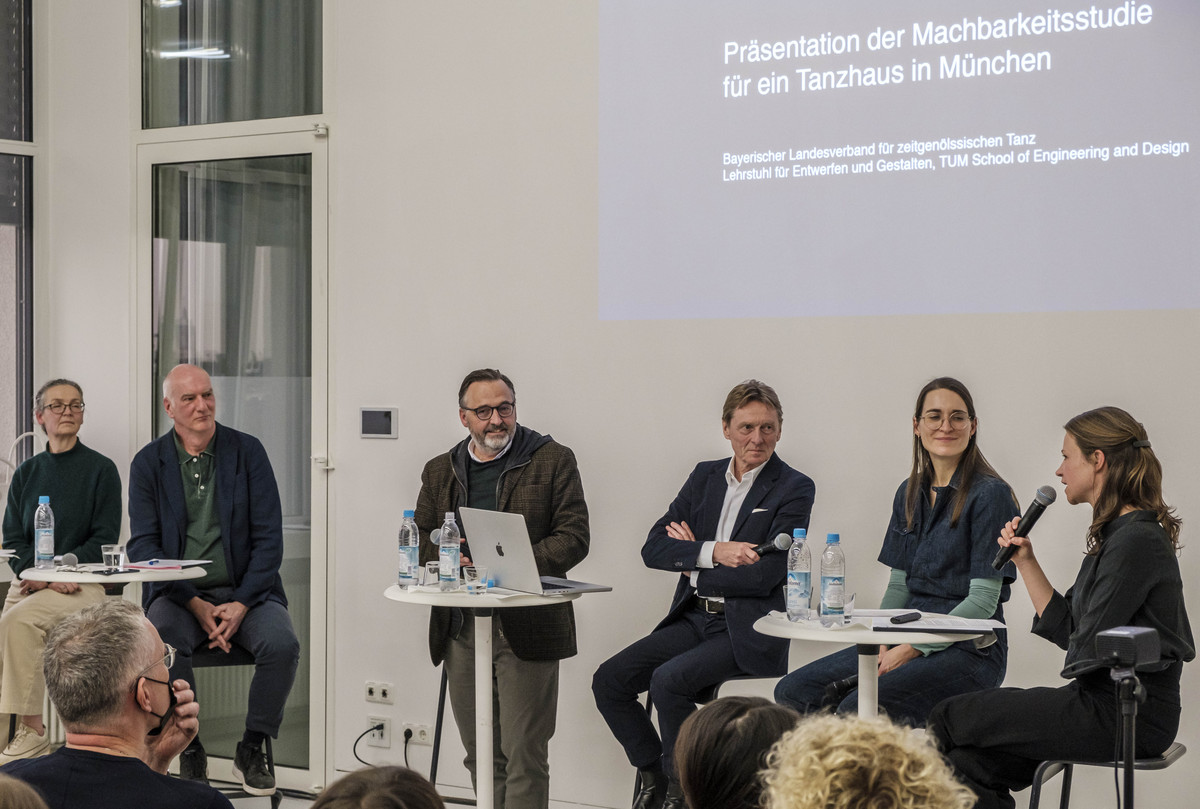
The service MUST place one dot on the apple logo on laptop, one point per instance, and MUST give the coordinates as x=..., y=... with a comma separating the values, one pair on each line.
x=499, y=549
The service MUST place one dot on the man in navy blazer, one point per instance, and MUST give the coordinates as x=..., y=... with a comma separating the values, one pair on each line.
x=206, y=491
x=708, y=536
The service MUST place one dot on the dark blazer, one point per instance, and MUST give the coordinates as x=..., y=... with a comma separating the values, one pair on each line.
x=247, y=505
x=780, y=500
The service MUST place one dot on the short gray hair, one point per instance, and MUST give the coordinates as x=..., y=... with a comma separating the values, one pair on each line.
x=38, y=402
x=92, y=658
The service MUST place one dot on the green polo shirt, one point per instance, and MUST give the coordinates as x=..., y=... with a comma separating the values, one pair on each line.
x=199, y=476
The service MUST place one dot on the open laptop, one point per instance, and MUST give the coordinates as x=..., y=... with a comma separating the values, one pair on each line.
x=500, y=541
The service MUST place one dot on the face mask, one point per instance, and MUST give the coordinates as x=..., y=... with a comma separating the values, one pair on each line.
x=164, y=717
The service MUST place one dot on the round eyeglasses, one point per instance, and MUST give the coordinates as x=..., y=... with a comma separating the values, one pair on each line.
x=934, y=419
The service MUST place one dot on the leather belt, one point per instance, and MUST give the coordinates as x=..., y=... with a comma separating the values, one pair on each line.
x=711, y=607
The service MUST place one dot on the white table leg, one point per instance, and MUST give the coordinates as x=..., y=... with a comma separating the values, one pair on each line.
x=484, y=781
x=868, y=679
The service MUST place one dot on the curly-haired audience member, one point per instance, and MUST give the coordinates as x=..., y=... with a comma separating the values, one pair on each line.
x=722, y=749
x=380, y=788
x=850, y=762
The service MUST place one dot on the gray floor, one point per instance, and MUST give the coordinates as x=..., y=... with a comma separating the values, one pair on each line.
x=265, y=803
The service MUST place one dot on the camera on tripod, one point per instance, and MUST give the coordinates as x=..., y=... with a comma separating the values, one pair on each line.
x=1128, y=647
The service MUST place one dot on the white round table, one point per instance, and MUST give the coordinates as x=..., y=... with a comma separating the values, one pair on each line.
x=867, y=640
x=86, y=576
x=483, y=604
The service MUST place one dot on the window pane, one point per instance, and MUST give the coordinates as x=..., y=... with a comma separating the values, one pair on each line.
x=231, y=286
x=214, y=61
x=16, y=309
x=16, y=70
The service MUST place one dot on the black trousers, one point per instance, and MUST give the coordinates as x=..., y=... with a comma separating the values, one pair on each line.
x=995, y=739
x=675, y=663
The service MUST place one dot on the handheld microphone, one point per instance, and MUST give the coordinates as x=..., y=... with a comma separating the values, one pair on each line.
x=781, y=542
x=837, y=691
x=70, y=560
x=1044, y=497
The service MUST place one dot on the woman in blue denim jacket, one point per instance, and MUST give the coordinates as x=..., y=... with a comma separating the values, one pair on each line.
x=939, y=544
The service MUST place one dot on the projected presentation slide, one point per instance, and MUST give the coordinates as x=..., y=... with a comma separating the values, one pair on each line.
x=776, y=159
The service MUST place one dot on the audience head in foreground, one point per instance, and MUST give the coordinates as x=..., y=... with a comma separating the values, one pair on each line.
x=16, y=794
x=722, y=749
x=834, y=762
x=380, y=788
x=107, y=674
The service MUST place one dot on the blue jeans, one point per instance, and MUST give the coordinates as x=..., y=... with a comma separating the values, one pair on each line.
x=266, y=632
x=906, y=694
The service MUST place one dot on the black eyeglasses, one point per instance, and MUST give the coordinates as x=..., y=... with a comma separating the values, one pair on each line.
x=58, y=408
x=505, y=409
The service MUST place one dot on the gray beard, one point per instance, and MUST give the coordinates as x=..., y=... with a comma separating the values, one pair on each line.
x=495, y=442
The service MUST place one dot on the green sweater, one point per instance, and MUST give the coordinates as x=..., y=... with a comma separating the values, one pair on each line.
x=85, y=494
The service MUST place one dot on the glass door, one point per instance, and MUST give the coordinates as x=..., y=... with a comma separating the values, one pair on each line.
x=232, y=279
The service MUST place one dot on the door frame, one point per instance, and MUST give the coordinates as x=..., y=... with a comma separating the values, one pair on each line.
x=313, y=142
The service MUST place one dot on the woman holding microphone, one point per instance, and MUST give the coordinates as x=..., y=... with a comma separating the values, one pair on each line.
x=1129, y=577
x=939, y=545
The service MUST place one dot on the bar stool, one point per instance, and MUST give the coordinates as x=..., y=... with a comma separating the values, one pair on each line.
x=1048, y=769
x=204, y=657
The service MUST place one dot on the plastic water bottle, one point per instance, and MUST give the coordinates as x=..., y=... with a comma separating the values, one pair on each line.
x=410, y=550
x=833, y=581
x=799, y=577
x=448, y=551
x=43, y=534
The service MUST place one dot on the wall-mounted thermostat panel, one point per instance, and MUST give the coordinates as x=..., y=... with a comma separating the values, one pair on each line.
x=380, y=422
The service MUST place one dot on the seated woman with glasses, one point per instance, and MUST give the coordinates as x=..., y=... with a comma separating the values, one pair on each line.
x=939, y=545
x=1129, y=577
x=84, y=490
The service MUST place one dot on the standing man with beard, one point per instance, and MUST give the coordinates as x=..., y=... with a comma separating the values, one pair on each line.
x=503, y=466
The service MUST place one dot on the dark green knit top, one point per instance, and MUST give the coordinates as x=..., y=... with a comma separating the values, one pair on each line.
x=85, y=494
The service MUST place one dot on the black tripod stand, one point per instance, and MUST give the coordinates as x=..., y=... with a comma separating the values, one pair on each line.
x=1130, y=693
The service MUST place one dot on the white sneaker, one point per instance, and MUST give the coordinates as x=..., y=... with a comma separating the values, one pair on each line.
x=26, y=744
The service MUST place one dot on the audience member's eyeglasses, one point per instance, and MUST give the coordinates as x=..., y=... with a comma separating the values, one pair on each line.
x=505, y=409
x=58, y=408
x=168, y=660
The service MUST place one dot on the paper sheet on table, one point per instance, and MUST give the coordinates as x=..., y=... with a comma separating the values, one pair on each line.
x=938, y=623
x=498, y=592
x=167, y=564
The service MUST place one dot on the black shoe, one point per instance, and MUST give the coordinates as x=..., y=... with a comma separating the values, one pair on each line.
x=251, y=766
x=674, y=799
x=652, y=788
x=193, y=764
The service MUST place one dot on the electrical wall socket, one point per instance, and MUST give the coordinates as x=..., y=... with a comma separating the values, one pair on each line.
x=379, y=738
x=379, y=692
x=421, y=734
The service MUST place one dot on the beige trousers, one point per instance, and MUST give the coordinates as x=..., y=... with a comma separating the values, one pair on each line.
x=23, y=626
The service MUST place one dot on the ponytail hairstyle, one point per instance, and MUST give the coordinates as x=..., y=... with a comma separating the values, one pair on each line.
x=1134, y=476
x=971, y=464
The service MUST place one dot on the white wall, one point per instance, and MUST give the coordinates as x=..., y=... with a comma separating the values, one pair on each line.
x=463, y=233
